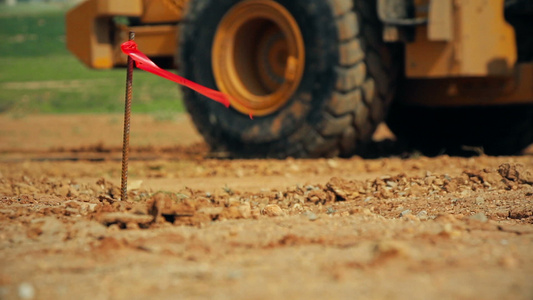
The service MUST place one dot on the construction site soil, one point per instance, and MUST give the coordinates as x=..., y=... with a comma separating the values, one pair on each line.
x=195, y=227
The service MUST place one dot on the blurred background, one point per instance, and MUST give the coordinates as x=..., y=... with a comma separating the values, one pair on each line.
x=50, y=101
x=39, y=76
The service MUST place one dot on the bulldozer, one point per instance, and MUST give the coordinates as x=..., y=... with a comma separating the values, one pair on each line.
x=321, y=75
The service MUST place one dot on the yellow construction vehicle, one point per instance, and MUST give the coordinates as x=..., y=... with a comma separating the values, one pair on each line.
x=320, y=75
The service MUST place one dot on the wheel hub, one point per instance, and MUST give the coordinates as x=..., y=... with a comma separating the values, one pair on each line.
x=258, y=56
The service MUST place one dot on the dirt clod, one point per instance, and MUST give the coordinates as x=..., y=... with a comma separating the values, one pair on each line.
x=517, y=173
x=123, y=219
x=273, y=210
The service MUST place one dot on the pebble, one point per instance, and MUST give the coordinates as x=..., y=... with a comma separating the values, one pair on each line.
x=272, y=210
x=297, y=207
x=135, y=185
x=481, y=217
x=26, y=291
x=245, y=210
x=480, y=200
x=113, y=228
x=449, y=231
x=391, y=184
x=332, y=163
x=422, y=215
x=405, y=213
x=509, y=262
x=390, y=249
x=311, y=215
x=119, y=217
x=132, y=226
x=234, y=275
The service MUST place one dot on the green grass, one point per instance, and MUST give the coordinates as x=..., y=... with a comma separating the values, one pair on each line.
x=38, y=74
x=34, y=8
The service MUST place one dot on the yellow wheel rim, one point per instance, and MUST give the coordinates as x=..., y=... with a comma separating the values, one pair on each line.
x=258, y=56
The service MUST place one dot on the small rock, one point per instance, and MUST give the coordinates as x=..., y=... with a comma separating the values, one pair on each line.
x=385, y=250
x=26, y=291
x=139, y=209
x=297, y=207
x=333, y=163
x=83, y=228
x=320, y=196
x=135, y=185
x=405, y=213
x=422, y=215
x=211, y=211
x=91, y=207
x=480, y=200
x=367, y=212
x=113, y=228
x=294, y=167
x=391, y=184
x=410, y=217
x=233, y=201
x=508, y=262
x=72, y=192
x=341, y=189
x=245, y=210
x=132, y=226
x=63, y=191
x=311, y=216
x=449, y=231
x=481, y=217
x=520, y=213
x=49, y=228
x=255, y=213
x=516, y=172
x=234, y=275
x=81, y=206
x=124, y=218
x=272, y=210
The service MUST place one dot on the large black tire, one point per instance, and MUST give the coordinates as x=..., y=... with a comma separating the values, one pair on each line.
x=346, y=88
x=495, y=130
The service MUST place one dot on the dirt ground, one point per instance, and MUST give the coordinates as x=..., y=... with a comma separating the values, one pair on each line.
x=201, y=228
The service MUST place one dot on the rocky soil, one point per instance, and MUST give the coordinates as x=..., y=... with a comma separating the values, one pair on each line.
x=195, y=227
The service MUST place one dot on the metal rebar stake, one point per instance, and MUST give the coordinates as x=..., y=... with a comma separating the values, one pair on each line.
x=127, y=115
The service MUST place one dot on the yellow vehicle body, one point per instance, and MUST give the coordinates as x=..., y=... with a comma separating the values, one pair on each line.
x=95, y=39
x=320, y=75
x=466, y=47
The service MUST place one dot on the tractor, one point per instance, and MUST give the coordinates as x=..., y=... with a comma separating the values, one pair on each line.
x=321, y=75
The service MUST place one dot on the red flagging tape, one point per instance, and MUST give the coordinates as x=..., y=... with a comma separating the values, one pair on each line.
x=144, y=63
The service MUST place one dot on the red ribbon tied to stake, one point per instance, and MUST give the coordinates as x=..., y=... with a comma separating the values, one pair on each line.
x=144, y=63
